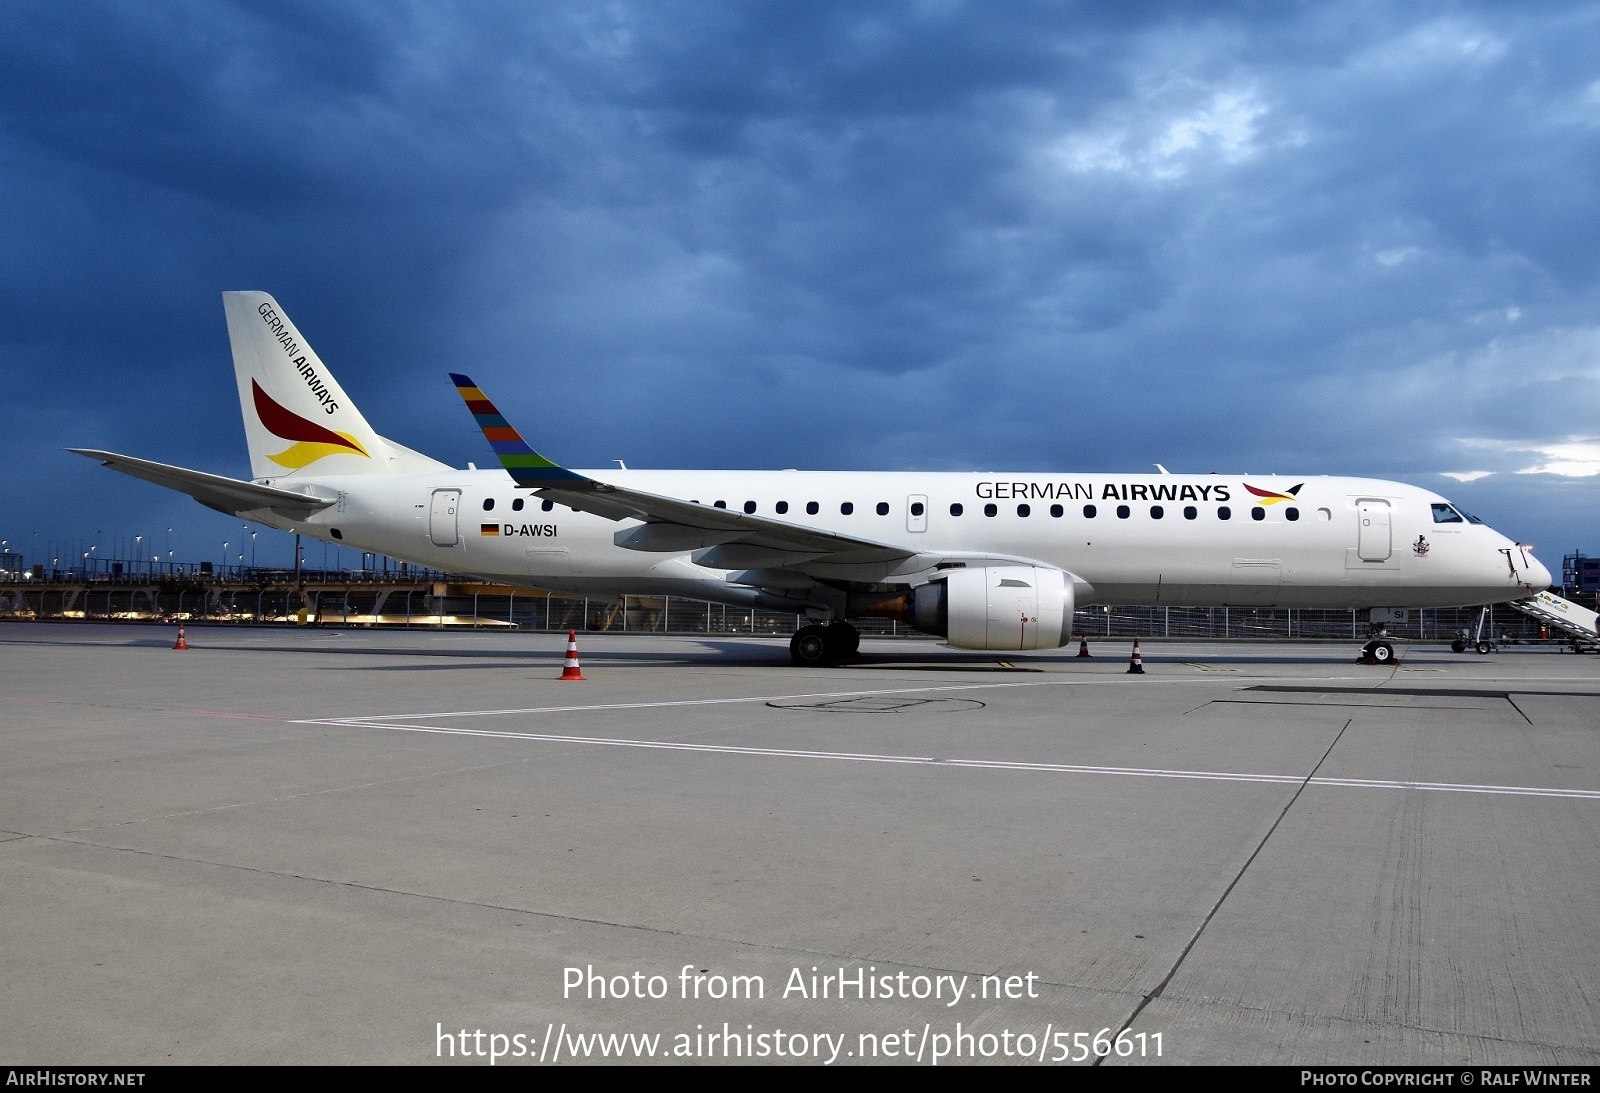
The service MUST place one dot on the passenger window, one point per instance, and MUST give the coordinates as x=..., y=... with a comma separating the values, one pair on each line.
x=956, y=509
x=1224, y=513
x=1157, y=512
x=990, y=509
x=1056, y=511
x=883, y=508
x=811, y=508
x=719, y=504
x=1444, y=514
x=488, y=504
x=782, y=507
x=917, y=508
x=750, y=506
x=1190, y=512
x=847, y=508
x=516, y=504
x=1122, y=512
x=1024, y=510
x=1258, y=513
x=547, y=505
x=1291, y=514
x=1089, y=511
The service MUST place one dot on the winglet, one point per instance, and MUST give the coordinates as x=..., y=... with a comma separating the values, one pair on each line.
x=527, y=466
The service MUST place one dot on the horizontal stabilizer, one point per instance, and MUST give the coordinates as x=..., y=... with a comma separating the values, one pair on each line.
x=213, y=490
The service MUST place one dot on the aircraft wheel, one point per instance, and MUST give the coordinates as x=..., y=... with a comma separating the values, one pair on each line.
x=1458, y=646
x=809, y=647
x=1381, y=652
x=844, y=640
x=1484, y=647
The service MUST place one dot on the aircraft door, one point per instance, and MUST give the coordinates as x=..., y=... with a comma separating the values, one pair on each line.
x=442, y=517
x=917, y=512
x=1372, y=537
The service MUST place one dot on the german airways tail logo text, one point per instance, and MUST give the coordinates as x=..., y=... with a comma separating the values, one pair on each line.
x=311, y=441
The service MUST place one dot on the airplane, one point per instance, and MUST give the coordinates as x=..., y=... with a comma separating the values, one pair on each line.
x=987, y=561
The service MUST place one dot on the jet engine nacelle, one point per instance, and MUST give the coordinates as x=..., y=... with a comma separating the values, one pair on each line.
x=997, y=607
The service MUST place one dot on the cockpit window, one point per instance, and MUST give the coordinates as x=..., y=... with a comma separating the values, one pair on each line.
x=1444, y=514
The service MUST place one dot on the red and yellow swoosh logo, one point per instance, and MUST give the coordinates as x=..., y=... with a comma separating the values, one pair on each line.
x=1268, y=497
x=311, y=441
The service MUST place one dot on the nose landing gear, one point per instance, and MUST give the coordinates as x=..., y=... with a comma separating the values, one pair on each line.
x=1481, y=642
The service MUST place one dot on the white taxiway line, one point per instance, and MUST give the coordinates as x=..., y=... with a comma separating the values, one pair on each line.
x=1115, y=680
x=927, y=760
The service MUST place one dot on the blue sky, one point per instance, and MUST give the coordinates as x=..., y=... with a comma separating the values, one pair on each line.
x=1333, y=238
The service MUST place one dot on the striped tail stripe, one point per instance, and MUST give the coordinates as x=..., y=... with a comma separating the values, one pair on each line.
x=527, y=466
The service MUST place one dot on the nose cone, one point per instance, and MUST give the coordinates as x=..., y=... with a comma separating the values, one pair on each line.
x=1536, y=576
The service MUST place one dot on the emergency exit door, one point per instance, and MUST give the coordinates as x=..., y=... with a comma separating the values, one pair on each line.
x=442, y=517
x=917, y=512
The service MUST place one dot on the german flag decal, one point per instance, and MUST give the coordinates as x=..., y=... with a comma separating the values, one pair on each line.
x=488, y=529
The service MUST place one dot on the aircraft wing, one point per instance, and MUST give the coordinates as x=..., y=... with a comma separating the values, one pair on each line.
x=227, y=495
x=671, y=524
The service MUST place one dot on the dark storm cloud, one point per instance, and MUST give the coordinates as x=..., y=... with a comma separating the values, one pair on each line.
x=1349, y=238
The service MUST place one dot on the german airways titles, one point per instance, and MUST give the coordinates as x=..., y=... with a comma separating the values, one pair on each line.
x=1109, y=491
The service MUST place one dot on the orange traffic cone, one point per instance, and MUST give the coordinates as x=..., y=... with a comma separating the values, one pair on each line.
x=1136, y=665
x=571, y=669
x=1083, y=644
x=182, y=642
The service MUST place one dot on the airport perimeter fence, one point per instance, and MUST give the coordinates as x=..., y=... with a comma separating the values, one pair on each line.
x=370, y=605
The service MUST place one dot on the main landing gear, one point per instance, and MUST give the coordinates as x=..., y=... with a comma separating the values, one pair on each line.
x=815, y=645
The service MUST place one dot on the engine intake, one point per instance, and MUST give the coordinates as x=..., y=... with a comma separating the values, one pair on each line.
x=997, y=607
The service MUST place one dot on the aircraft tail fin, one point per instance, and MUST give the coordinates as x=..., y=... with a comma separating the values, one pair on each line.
x=296, y=416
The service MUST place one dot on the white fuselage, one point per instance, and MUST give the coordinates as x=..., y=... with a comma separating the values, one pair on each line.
x=1201, y=540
